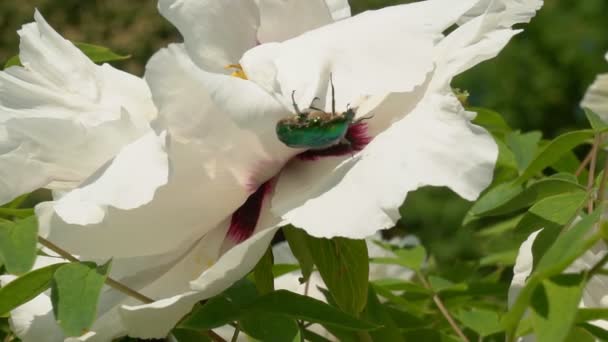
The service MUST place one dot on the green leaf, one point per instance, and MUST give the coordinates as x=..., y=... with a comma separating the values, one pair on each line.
x=186, y=335
x=20, y=213
x=269, y=327
x=344, y=266
x=596, y=122
x=264, y=279
x=216, y=312
x=569, y=246
x=523, y=146
x=591, y=314
x=281, y=269
x=100, y=54
x=375, y=312
x=561, y=208
x=221, y=310
x=490, y=120
x=13, y=61
x=307, y=309
x=554, y=303
x=297, y=240
x=518, y=199
x=484, y=322
x=554, y=151
x=75, y=293
x=18, y=244
x=26, y=287
x=594, y=330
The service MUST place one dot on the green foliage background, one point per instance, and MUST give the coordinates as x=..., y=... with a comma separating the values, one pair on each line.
x=536, y=83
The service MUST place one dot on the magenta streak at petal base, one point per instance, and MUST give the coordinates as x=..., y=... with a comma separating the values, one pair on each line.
x=245, y=218
x=356, y=137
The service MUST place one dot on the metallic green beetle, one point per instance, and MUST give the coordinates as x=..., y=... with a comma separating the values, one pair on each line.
x=315, y=129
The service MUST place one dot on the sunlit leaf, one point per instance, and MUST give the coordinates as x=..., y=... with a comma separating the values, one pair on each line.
x=75, y=294
x=554, y=151
x=554, y=303
x=26, y=287
x=344, y=267
x=298, y=243
x=18, y=241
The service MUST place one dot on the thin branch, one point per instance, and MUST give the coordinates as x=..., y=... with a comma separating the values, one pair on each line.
x=602, y=191
x=591, y=179
x=109, y=281
x=444, y=310
x=584, y=163
x=235, y=336
x=113, y=283
x=598, y=266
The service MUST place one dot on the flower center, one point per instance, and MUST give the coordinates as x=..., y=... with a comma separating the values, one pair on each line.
x=245, y=218
x=238, y=71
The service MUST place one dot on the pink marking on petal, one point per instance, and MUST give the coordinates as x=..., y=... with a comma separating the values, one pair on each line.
x=356, y=139
x=245, y=218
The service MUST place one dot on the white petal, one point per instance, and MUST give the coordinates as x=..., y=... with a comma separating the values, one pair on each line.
x=61, y=116
x=145, y=158
x=164, y=313
x=216, y=33
x=596, y=97
x=522, y=268
x=361, y=53
x=340, y=9
x=284, y=19
x=433, y=145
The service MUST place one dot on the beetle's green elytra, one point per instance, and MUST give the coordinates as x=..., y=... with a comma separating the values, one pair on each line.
x=314, y=128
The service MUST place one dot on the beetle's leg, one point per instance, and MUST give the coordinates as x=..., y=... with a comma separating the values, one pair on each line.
x=301, y=115
x=333, y=94
x=364, y=118
x=316, y=108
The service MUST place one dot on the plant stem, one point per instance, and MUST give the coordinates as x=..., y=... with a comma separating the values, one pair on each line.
x=235, y=336
x=113, y=283
x=109, y=281
x=584, y=163
x=601, y=192
x=591, y=179
x=443, y=309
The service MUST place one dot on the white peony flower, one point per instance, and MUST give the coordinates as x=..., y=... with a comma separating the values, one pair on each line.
x=188, y=208
x=596, y=97
x=595, y=294
x=62, y=116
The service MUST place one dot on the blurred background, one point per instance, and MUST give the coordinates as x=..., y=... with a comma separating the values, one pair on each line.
x=536, y=82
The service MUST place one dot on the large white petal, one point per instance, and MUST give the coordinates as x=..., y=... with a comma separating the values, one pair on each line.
x=433, y=145
x=145, y=158
x=62, y=116
x=231, y=267
x=284, y=19
x=214, y=166
x=374, y=53
x=216, y=33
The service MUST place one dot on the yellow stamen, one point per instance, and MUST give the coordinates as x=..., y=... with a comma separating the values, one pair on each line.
x=239, y=72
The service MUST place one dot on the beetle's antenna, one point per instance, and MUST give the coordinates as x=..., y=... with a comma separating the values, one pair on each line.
x=333, y=94
x=295, y=105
